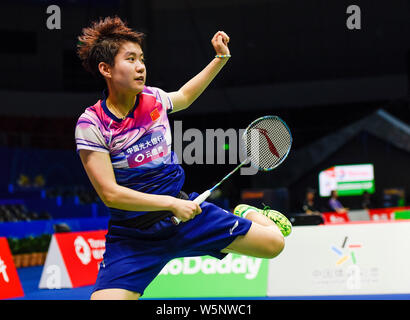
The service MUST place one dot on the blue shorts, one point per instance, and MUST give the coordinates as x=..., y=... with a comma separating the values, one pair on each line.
x=133, y=257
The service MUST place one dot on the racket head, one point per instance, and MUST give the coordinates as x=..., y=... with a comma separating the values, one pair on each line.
x=267, y=142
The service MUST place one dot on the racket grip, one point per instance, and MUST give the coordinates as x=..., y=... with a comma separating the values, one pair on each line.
x=202, y=197
x=198, y=200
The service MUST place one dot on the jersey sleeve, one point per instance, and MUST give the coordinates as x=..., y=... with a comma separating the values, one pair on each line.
x=163, y=97
x=88, y=136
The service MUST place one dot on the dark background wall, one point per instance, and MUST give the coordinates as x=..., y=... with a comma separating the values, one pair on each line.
x=272, y=41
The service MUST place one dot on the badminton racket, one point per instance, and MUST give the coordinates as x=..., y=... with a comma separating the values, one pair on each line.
x=266, y=143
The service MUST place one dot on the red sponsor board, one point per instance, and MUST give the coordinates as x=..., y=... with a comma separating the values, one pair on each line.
x=73, y=259
x=334, y=217
x=10, y=286
x=383, y=213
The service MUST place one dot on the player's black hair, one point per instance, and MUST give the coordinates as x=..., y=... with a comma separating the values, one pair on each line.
x=102, y=40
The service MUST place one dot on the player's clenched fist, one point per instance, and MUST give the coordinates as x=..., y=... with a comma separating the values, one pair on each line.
x=185, y=209
x=220, y=43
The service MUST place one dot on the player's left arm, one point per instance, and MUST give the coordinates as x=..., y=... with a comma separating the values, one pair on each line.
x=190, y=91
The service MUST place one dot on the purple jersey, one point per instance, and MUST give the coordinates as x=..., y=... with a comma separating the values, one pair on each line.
x=139, y=146
x=335, y=204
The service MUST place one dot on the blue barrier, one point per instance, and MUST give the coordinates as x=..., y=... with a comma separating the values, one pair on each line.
x=11, y=201
x=24, y=229
x=58, y=207
x=59, y=167
x=63, y=208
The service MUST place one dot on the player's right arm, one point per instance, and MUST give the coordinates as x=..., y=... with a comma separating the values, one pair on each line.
x=190, y=91
x=101, y=174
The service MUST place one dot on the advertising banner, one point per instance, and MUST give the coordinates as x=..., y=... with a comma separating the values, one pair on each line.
x=380, y=214
x=10, y=286
x=393, y=213
x=348, y=180
x=73, y=259
x=233, y=276
x=348, y=259
x=334, y=217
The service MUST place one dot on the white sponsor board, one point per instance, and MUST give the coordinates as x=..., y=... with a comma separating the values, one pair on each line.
x=368, y=258
x=54, y=275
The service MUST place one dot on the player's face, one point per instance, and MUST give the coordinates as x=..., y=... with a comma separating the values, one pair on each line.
x=128, y=72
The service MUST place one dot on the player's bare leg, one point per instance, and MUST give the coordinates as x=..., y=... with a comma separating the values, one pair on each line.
x=115, y=294
x=265, y=238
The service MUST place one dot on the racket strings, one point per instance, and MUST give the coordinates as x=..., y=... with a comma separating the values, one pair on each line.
x=267, y=142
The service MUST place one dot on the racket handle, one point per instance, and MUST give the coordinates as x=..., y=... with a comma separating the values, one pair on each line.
x=202, y=197
x=198, y=200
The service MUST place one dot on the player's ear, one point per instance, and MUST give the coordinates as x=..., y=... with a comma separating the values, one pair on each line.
x=105, y=69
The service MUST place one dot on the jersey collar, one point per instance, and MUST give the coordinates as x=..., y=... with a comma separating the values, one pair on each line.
x=110, y=114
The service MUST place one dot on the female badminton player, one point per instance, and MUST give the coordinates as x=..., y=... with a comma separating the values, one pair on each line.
x=124, y=143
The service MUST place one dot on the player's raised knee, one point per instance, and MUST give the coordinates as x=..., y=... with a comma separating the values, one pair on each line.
x=275, y=245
